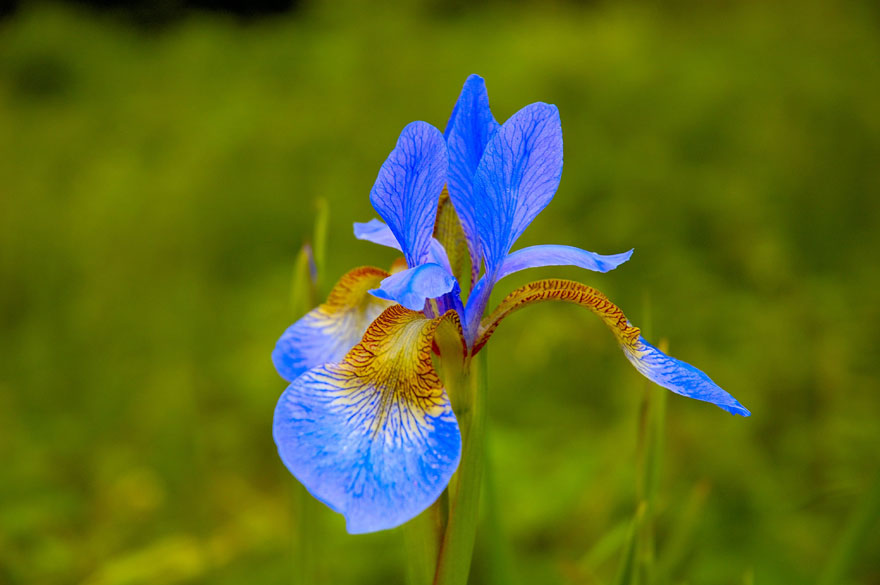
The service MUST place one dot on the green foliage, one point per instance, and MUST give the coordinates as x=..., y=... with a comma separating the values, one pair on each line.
x=156, y=187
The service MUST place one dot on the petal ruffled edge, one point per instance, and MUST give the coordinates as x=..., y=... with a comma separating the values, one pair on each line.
x=327, y=332
x=373, y=436
x=673, y=374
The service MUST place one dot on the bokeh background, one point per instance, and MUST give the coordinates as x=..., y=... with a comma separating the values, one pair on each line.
x=159, y=168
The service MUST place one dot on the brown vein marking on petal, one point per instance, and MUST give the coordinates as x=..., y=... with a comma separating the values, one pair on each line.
x=351, y=290
x=390, y=373
x=566, y=291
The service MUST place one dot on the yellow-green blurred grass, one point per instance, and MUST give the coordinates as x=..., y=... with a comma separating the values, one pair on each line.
x=155, y=188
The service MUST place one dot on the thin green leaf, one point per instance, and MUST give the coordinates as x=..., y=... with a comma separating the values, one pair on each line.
x=628, y=573
x=322, y=221
x=681, y=538
x=303, y=296
x=857, y=531
x=611, y=542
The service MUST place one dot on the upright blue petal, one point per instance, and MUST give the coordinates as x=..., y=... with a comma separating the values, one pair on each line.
x=556, y=255
x=467, y=133
x=516, y=178
x=412, y=287
x=408, y=187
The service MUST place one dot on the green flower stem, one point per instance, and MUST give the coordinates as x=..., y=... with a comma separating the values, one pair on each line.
x=500, y=555
x=454, y=562
x=307, y=537
x=422, y=537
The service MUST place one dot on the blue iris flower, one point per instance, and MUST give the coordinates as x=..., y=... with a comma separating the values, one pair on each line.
x=365, y=423
x=499, y=179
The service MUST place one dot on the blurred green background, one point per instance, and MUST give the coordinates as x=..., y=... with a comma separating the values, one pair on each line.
x=156, y=185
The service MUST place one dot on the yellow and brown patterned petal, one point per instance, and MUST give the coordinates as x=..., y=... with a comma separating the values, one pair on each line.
x=676, y=375
x=373, y=436
x=326, y=333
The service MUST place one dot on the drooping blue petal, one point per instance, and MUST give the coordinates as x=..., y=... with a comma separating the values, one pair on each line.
x=377, y=232
x=678, y=376
x=412, y=287
x=467, y=133
x=327, y=332
x=373, y=436
x=408, y=187
x=556, y=255
x=516, y=178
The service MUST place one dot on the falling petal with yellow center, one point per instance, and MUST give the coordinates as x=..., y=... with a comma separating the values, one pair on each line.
x=373, y=436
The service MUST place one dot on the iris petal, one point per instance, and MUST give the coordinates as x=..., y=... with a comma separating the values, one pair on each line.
x=408, y=187
x=377, y=232
x=676, y=375
x=475, y=306
x=516, y=178
x=412, y=287
x=556, y=255
x=373, y=436
x=327, y=332
x=467, y=133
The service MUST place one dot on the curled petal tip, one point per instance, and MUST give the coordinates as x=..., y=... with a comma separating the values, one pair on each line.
x=412, y=287
x=736, y=408
x=618, y=259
